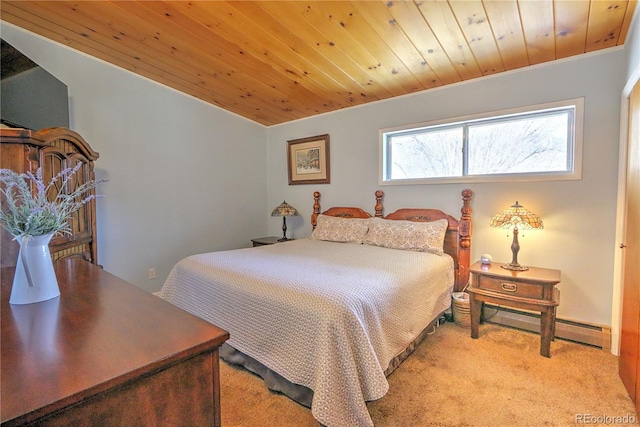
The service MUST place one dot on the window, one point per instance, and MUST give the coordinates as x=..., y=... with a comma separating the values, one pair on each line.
x=543, y=142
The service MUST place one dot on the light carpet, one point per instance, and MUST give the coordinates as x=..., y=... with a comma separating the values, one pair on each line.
x=499, y=379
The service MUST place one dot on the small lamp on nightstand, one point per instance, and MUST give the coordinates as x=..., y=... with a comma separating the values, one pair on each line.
x=514, y=218
x=284, y=210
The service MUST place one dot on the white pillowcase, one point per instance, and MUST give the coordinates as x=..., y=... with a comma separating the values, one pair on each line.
x=339, y=229
x=407, y=235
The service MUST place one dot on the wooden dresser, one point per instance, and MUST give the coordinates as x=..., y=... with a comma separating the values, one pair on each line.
x=105, y=353
x=54, y=149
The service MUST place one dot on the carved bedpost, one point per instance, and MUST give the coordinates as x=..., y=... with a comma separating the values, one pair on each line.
x=464, y=236
x=379, y=207
x=316, y=209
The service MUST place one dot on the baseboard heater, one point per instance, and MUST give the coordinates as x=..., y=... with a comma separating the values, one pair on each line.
x=582, y=332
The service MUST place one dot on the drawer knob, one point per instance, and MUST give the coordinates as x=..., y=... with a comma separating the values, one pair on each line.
x=509, y=287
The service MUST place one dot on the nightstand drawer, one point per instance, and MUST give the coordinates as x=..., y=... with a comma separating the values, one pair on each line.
x=510, y=287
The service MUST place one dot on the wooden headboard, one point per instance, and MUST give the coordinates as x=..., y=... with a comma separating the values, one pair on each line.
x=457, y=240
x=344, y=212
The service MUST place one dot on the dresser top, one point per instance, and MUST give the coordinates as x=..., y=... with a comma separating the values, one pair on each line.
x=100, y=333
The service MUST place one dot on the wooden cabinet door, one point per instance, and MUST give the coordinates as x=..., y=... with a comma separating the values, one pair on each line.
x=629, y=361
x=20, y=152
x=64, y=148
x=54, y=160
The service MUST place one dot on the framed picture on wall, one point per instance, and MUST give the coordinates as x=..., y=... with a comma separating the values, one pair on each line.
x=308, y=160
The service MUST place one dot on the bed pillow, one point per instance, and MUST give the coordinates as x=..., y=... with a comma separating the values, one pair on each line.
x=407, y=235
x=337, y=229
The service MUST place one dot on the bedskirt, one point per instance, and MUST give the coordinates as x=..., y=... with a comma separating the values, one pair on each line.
x=299, y=393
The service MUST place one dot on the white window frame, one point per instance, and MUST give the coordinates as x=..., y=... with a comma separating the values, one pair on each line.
x=576, y=153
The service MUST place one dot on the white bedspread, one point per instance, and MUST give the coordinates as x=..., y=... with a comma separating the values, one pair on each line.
x=328, y=316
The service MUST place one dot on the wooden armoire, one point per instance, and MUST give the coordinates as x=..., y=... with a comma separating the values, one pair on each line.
x=53, y=150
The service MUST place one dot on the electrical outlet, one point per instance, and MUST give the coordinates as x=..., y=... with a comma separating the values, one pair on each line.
x=151, y=273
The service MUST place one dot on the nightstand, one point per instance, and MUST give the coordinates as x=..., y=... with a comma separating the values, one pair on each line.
x=269, y=240
x=533, y=289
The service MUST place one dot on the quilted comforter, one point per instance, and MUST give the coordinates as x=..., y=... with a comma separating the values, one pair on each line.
x=328, y=316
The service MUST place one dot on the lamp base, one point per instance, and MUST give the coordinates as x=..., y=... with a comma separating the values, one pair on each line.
x=284, y=239
x=514, y=267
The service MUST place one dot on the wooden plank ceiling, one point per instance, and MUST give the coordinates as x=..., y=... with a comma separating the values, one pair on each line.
x=277, y=61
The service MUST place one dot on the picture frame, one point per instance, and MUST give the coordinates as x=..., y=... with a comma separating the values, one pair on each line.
x=308, y=160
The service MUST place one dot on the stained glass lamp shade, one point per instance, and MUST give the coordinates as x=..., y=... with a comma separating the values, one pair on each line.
x=284, y=210
x=516, y=218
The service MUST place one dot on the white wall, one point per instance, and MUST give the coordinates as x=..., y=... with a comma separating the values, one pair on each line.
x=579, y=216
x=632, y=47
x=184, y=176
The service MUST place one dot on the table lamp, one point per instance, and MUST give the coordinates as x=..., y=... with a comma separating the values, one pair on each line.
x=284, y=210
x=516, y=217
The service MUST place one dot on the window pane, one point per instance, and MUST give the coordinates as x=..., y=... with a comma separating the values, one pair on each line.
x=535, y=143
x=427, y=154
x=525, y=145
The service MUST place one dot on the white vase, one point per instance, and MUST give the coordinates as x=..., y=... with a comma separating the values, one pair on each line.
x=34, y=279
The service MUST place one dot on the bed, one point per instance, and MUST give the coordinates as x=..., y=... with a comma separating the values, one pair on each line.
x=326, y=319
